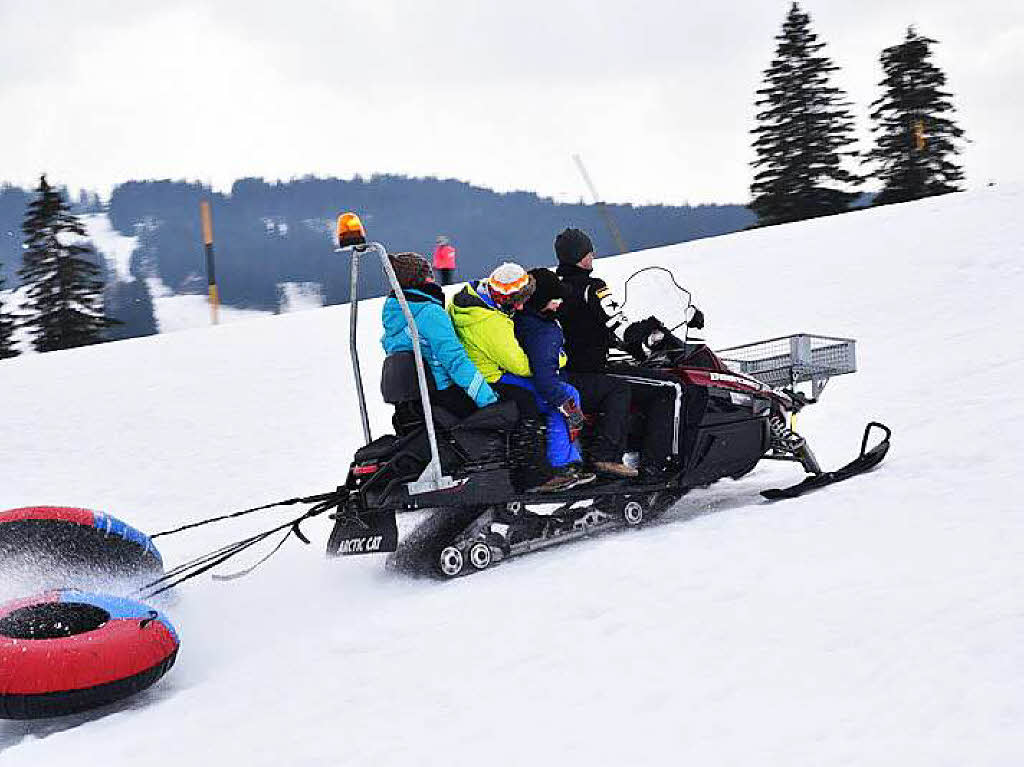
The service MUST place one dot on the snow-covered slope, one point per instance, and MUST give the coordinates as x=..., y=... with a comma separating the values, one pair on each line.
x=115, y=247
x=877, y=622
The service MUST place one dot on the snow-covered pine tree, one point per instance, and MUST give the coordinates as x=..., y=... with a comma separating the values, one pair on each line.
x=65, y=290
x=803, y=134
x=7, y=349
x=915, y=137
x=133, y=304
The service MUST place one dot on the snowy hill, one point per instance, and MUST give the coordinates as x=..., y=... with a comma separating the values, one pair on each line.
x=876, y=622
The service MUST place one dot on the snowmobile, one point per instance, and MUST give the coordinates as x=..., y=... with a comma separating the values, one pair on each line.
x=732, y=410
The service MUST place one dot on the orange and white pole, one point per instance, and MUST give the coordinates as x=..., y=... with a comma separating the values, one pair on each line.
x=211, y=278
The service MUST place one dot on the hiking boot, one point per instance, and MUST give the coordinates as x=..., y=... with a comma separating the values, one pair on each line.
x=582, y=475
x=564, y=478
x=613, y=469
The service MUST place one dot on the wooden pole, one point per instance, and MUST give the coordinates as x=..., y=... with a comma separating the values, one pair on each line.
x=211, y=277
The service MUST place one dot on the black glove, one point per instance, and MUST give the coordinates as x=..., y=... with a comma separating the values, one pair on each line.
x=640, y=337
x=573, y=417
x=697, y=320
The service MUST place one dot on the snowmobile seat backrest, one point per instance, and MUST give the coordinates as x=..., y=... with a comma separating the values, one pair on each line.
x=500, y=416
x=398, y=380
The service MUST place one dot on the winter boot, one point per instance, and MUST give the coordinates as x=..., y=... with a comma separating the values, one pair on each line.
x=564, y=478
x=613, y=469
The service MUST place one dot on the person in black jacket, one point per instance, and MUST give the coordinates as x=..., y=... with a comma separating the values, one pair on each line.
x=594, y=323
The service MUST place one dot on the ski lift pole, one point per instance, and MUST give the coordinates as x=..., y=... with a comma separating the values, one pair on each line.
x=211, y=278
x=601, y=207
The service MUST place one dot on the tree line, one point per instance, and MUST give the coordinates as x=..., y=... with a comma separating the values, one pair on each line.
x=268, y=233
x=803, y=139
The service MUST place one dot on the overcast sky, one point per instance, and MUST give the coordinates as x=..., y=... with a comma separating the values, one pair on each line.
x=657, y=97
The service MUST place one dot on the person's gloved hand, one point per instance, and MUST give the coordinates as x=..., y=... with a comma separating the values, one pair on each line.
x=573, y=417
x=697, y=320
x=641, y=337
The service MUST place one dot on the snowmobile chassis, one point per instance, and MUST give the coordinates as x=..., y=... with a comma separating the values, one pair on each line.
x=484, y=510
x=742, y=425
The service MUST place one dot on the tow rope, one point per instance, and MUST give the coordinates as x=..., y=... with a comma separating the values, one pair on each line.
x=321, y=503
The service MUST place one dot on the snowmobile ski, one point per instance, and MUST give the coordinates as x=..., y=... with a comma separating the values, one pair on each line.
x=866, y=461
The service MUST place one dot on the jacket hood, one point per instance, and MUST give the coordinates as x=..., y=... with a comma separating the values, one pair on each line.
x=468, y=308
x=422, y=293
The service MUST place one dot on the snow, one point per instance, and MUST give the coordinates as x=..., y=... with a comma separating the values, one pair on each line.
x=116, y=247
x=13, y=303
x=299, y=296
x=186, y=311
x=875, y=622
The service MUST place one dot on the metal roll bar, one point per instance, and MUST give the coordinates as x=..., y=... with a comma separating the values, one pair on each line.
x=433, y=477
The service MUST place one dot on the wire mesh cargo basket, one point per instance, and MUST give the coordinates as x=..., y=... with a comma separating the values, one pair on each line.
x=791, y=360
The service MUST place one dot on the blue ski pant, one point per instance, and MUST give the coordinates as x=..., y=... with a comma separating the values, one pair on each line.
x=561, y=449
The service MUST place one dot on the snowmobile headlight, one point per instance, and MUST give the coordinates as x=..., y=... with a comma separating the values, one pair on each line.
x=350, y=231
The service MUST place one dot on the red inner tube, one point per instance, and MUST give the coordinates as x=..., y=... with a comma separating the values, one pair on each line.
x=66, y=651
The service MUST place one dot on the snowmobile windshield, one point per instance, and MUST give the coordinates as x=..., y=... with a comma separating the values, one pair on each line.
x=653, y=291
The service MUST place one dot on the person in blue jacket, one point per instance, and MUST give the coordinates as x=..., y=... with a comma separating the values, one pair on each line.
x=460, y=388
x=540, y=336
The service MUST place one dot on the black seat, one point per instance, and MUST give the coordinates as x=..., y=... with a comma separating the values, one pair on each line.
x=399, y=386
x=382, y=447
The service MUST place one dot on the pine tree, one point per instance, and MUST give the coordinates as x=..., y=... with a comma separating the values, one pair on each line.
x=133, y=304
x=65, y=289
x=803, y=133
x=7, y=349
x=915, y=139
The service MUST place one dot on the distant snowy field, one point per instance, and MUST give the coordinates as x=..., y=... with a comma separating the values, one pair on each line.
x=876, y=622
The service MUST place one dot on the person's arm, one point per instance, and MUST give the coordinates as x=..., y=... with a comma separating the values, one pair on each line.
x=500, y=345
x=542, y=353
x=440, y=334
x=601, y=303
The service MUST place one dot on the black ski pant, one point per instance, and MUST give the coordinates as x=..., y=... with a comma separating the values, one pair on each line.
x=654, y=393
x=607, y=398
x=455, y=400
x=529, y=440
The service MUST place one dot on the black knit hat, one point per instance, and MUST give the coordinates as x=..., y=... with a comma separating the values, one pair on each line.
x=411, y=269
x=572, y=246
x=548, y=287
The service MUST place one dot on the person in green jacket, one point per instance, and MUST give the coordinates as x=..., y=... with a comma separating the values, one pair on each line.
x=482, y=315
